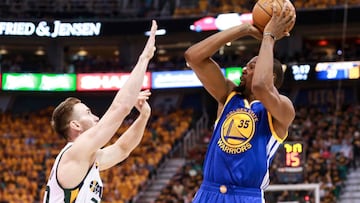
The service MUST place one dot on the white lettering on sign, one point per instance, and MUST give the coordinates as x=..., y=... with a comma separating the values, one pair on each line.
x=42, y=29
x=16, y=82
x=300, y=72
x=75, y=29
x=106, y=81
x=53, y=82
x=179, y=79
x=19, y=28
x=103, y=82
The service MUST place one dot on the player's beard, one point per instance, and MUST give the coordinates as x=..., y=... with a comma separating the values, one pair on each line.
x=240, y=88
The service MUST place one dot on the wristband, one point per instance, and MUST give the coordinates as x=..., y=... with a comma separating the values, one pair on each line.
x=270, y=34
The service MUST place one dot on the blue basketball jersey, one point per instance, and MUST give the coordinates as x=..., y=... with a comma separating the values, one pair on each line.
x=242, y=146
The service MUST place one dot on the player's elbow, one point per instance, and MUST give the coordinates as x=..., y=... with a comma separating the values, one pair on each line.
x=124, y=149
x=188, y=55
x=191, y=57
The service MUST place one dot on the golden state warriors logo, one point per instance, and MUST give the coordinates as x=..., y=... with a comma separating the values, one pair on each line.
x=237, y=130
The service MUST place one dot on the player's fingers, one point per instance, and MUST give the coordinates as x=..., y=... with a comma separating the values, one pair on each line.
x=145, y=92
x=153, y=27
x=274, y=7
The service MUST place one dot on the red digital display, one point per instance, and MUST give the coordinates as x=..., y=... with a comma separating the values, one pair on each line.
x=293, y=154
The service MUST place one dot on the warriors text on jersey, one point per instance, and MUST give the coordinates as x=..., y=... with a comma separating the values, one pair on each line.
x=240, y=152
x=88, y=191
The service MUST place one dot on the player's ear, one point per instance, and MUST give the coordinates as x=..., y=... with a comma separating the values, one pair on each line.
x=74, y=124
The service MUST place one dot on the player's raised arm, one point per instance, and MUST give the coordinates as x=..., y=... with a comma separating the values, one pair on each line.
x=126, y=143
x=199, y=58
x=263, y=86
x=89, y=138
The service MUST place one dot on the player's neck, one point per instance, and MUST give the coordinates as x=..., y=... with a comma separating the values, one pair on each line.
x=249, y=95
x=250, y=98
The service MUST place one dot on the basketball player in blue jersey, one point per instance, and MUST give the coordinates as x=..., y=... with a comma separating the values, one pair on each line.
x=253, y=118
x=75, y=175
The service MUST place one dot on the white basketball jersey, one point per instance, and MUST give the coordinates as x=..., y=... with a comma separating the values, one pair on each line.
x=88, y=191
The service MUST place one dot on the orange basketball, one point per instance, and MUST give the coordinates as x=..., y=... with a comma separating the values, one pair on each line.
x=262, y=12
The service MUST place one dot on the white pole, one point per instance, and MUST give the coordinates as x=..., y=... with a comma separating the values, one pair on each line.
x=282, y=187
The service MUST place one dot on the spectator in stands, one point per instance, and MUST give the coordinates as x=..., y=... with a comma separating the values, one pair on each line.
x=253, y=118
x=347, y=151
x=178, y=189
x=356, y=148
x=76, y=169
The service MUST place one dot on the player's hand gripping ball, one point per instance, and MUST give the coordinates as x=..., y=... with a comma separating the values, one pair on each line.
x=263, y=10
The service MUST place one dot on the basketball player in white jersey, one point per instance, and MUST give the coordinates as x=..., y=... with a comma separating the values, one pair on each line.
x=75, y=175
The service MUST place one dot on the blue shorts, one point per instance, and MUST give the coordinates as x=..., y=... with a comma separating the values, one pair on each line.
x=217, y=193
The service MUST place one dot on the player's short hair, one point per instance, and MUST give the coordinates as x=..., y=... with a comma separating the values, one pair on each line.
x=279, y=73
x=61, y=116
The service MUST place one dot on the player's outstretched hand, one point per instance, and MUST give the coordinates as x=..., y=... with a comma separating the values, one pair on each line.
x=281, y=21
x=142, y=105
x=150, y=48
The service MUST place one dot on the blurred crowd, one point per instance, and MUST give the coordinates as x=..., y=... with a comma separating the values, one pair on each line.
x=22, y=61
x=110, y=9
x=27, y=63
x=28, y=146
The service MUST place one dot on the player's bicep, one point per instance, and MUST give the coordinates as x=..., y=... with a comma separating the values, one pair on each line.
x=214, y=80
x=280, y=107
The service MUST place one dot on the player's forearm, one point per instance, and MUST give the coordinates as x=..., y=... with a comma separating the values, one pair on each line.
x=132, y=137
x=209, y=46
x=128, y=94
x=263, y=74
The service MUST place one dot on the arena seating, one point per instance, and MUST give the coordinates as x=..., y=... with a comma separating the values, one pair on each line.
x=28, y=145
x=110, y=9
x=24, y=60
